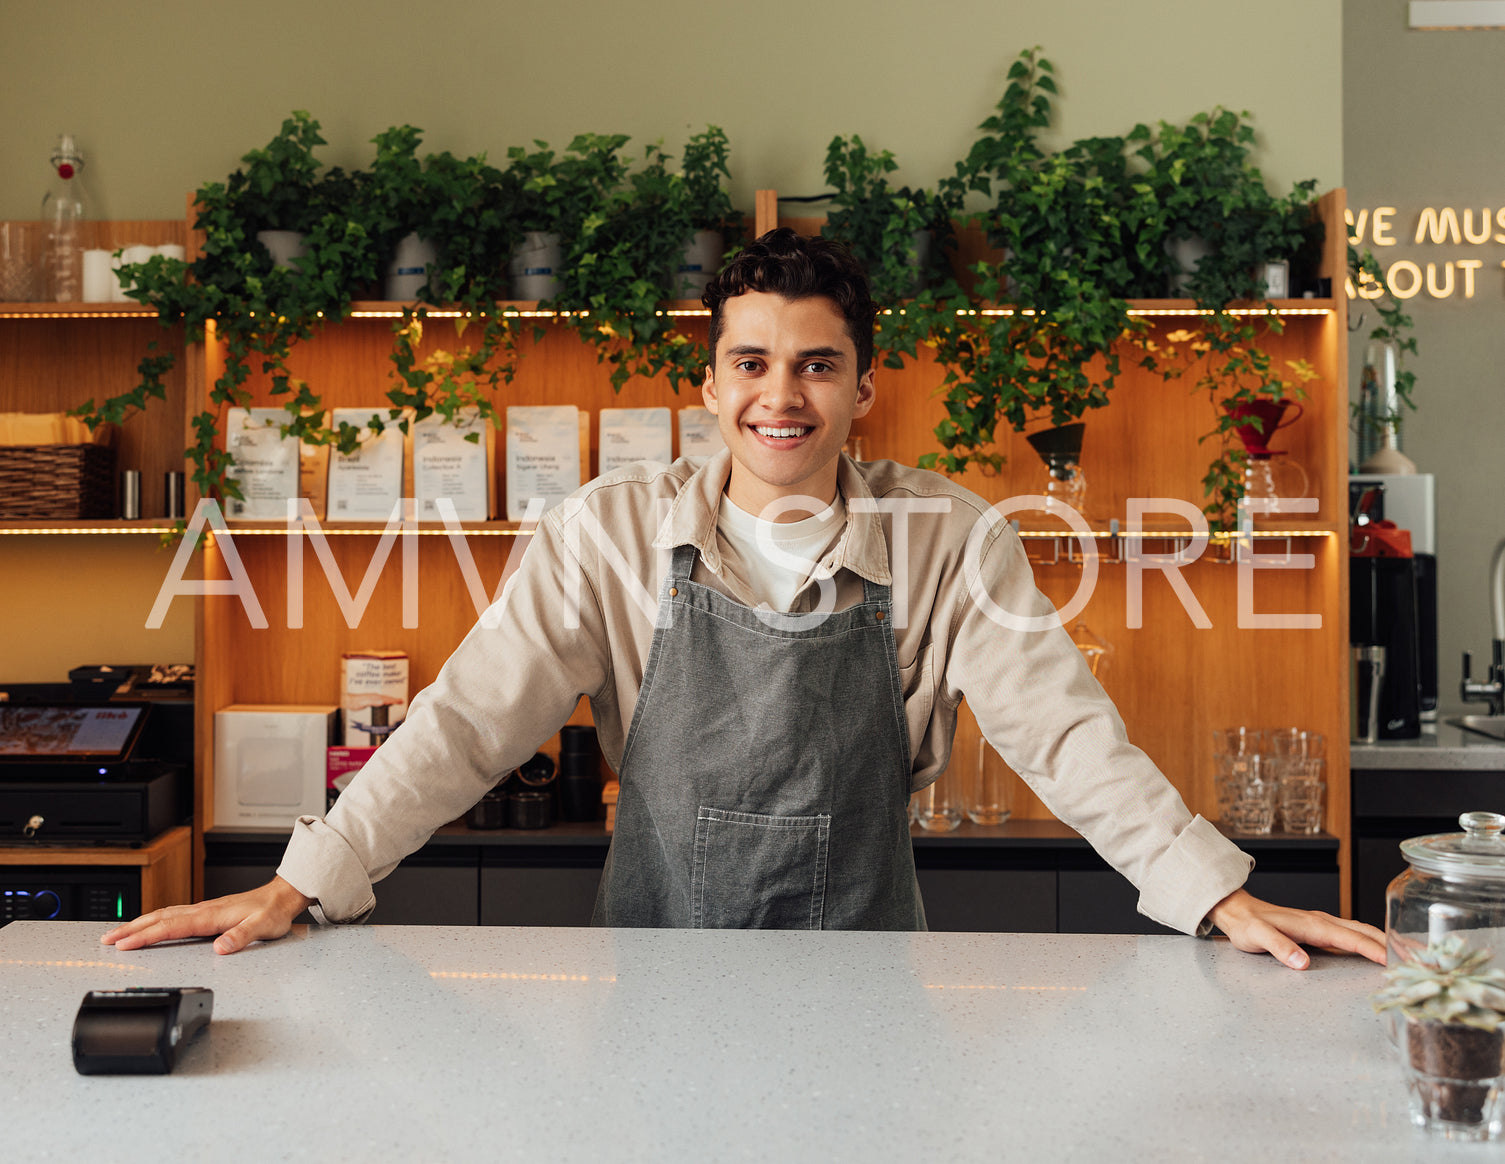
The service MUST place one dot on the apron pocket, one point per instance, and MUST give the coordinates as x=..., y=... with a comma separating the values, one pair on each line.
x=759, y=872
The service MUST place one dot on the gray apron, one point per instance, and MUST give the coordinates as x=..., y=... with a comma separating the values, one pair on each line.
x=765, y=779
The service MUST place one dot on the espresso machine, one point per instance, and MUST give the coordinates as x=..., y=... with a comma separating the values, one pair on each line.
x=1393, y=601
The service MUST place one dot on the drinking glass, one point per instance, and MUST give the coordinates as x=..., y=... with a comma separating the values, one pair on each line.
x=988, y=787
x=1302, y=785
x=1239, y=741
x=19, y=262
x=1296, y=744
x=1246, y=793
x=938, y=807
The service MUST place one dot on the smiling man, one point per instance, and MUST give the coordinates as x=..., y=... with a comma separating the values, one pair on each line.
x=774, y=644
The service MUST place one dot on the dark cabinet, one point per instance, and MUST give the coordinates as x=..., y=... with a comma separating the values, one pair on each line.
x=1391, y=805
x=990, y=901
x=438, y=889
x=1024, y=877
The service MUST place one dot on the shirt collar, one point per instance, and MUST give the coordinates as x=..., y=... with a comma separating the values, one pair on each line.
x=862, y=548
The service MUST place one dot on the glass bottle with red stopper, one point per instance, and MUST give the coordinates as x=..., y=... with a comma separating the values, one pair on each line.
x=62, y=224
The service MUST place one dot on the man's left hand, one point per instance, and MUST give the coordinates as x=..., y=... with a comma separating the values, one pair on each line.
x=1256, y=926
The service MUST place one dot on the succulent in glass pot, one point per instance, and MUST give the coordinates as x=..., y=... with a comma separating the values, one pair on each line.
x=1445, y=917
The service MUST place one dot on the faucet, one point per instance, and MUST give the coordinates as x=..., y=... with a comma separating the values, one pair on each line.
x=1494, y=689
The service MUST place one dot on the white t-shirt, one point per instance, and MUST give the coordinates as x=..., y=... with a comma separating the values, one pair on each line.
x=779, y=556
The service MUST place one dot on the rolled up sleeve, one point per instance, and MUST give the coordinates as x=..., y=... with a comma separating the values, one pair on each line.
x=508, y=687
x=1039, y=705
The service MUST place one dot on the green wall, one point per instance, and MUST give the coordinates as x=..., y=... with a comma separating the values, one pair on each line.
x=165, y=95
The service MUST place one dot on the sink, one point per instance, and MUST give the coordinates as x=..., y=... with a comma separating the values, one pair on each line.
x=1487, y=725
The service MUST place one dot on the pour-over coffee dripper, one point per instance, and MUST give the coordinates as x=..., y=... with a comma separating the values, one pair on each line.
x=1266, y=475
x=1259, y=420
x=1061, y=450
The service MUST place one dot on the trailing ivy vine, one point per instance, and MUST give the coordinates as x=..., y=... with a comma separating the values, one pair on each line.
x=624, y=232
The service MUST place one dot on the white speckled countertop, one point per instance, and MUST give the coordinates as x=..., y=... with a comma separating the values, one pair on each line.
x=456, y=1044
x=1441, y=747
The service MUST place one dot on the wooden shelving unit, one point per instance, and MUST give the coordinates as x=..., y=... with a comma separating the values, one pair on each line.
x=1172, y=682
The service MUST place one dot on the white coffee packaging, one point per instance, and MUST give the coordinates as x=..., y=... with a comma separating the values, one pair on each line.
x=365, y=485
x=373, y=695
x=629, y=435
x=453, y=461
x=699, y=435
x=270, y=762
x=266, y=464
x=543, y=456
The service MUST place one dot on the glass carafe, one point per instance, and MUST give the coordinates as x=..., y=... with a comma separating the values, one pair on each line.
x=1273, y=476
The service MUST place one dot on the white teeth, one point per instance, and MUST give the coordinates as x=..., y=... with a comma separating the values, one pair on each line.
x=769, y=431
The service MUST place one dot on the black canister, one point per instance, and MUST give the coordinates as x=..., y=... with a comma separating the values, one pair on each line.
x=579, y=773
x=490, y=812
x=530, y=808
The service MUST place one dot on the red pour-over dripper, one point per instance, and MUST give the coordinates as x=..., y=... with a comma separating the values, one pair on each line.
x=1262, y=418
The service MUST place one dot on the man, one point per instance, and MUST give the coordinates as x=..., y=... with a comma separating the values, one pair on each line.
x=815, y=627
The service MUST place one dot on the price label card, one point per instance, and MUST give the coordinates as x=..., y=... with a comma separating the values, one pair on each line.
x=266, y=464
x=699, y=435
x=449, y=460
x=543, y=456
x=629, y=435
x=366, y=485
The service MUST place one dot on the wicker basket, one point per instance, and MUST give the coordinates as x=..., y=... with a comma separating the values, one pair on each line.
x=72, y=482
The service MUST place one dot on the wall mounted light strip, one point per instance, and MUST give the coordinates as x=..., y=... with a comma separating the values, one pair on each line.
x=48, y=530
x=1177, y=535
x=139, y=313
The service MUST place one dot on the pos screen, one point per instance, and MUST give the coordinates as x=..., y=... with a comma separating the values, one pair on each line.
x=68, y=732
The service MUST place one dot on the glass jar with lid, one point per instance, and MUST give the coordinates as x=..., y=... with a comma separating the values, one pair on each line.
x=1445, y=937
x=1456, y=883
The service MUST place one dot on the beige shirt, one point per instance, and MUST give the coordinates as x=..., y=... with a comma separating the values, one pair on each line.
x=577, y=619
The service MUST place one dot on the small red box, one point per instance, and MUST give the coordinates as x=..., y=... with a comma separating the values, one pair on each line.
x=345, y=762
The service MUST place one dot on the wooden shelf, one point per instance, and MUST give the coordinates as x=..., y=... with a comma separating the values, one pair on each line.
x=1274, y=526
x=130, y=310
x=1188, y=307
x=377, y=528
x=165, y=863
x=390, y=309
x=145, y=525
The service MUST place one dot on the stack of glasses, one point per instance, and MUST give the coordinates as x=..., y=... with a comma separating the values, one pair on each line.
x=1261, y=771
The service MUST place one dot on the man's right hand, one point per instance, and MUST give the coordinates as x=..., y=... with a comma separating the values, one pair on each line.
x=234, y=922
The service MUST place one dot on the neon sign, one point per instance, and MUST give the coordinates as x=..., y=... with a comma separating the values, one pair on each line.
x=1433, y=226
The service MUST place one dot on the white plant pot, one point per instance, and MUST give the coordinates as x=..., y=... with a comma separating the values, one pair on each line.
x=535, y=266
x=698, y=264
x=408, y=272
x=284, y=246
x=1188, y=254
x=920, y=244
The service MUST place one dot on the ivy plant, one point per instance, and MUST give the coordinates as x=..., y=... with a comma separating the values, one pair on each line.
x=1364, y=277
x=621, y=231
x=1069, y=224
x=1207, y=187
x=904, y=237
x=617, y=271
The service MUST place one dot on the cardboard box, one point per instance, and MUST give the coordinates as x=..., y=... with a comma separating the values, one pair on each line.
x=373, y=695
x=269, y=762
x=342, y=764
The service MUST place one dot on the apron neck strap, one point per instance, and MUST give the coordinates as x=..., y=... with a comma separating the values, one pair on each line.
x=683, y=563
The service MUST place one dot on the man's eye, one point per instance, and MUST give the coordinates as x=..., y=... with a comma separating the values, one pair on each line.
x=746, y=365
x=819, y=367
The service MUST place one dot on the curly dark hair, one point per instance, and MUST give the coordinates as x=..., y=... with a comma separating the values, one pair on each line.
x=798, y=267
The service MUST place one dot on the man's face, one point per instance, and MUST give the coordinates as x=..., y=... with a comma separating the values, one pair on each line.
x=785, y=391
